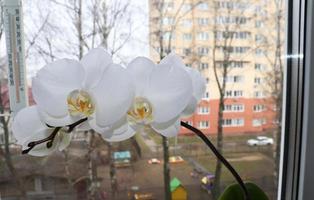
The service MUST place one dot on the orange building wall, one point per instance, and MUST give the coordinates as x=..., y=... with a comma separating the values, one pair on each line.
x=248, y=115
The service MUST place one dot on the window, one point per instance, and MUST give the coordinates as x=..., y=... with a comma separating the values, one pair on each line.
x=169, y=35
x=258, y=80
x=203, y=50
x=202, y=6
x=260, y=52
x=234, y=79
x=186, y=22
x=258, y=122
x=233, y=34
x=203, y=65
x=203, y=36
x=186, y=7
x=231, y=5
x=187, y=36
x=207, y=80
x=259, y=24
x=233, y=93
x=203, y=110
x=232, y=64
x=168, y=21
x=186, y=51
x=259, y=108
x=189, y=123
x=260, y=38
x=206, y=95
x=203, y=21
x=233, y=122
x=259, y=94
x=260, y=67
x=203, y=124
x=234, y=108
x=168, y=6
x=230, y=20
x=234, y=49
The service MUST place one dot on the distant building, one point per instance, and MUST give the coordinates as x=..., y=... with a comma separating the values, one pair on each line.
x=191, y=29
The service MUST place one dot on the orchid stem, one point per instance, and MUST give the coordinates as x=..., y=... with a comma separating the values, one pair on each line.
x=219, y=156
x=52, y=136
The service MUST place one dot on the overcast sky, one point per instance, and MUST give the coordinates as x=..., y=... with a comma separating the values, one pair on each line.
x=36, y=10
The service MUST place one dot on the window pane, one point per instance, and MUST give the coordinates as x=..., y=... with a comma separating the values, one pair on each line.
x=237, y=45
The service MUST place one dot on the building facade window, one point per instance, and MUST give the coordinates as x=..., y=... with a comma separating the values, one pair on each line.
x=231, y=5
x=260, y=52
x=234, y=49
x=233, y=93
x=168, y=21
x=258, y=80
x=187, y=23
x=203, y=110
x=260, y=67
x=231, y=20
x=187, y=36
x=206, y=95
x=203, y=21
x=203, y=36
x=233, y=108
x=186, y=7
x=203, y=65
x=186, y=51
x=259, y=94
x=259, y=108
x=202, y=6
x=258, y=122
x=234, y=79
x=203, y=51
x=203, y=124
x=233, y=122
x=168, y=35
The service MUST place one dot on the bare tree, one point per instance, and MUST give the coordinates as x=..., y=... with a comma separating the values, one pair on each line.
x=227, y=21
x=274, y=42
x=163, y=37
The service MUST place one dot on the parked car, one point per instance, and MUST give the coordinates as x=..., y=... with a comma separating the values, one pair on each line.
x=176, y=159
x=154, y=161
x=260, y=141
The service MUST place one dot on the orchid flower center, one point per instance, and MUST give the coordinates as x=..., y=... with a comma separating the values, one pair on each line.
x=141, y=111
x=80, y=103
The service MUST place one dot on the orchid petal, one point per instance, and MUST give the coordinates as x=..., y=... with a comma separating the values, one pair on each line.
x=41, y=149
x=170, y=90
x=65, y=140
x=198, y=82
x=26, y=123
x=95, y=62
x=117, y=128
x=113, y=95
x=53, y=83
x=172, y=59
x=190, y=108
x=141, y=69
x=169, y=131
x=117, y=137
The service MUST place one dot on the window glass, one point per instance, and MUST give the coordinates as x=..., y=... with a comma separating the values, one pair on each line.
x=238, y=47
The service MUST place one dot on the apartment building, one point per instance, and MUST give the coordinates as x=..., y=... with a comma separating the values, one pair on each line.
x=236, y=39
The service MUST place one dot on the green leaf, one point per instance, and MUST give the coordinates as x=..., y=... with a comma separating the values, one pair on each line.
x=234, y=192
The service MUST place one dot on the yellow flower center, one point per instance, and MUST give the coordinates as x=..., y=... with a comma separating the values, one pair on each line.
x=80, y=103
x=141, y=111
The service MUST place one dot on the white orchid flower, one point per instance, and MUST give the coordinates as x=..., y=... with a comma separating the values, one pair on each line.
x=198, y=83
x=94, y=88
x=162, y=92
x=28, y=127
